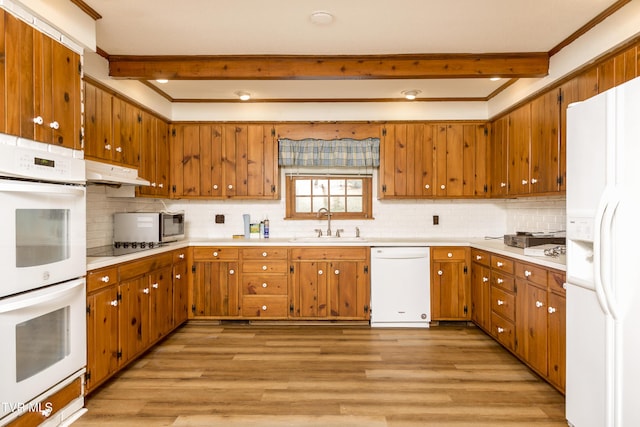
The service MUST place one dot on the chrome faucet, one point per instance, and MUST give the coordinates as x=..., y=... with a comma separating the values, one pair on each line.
x=328, y=214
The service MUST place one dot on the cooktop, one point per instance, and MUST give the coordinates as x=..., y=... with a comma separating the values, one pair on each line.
x=118, y=249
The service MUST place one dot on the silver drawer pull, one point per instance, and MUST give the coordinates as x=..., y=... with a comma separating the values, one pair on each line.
x=105, y=279
x=178, y=276
x=264, y=308
x=500, y=302
x=264, y=285
x=500, y=330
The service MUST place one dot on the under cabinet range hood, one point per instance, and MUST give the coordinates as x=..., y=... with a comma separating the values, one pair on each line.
x=103, y=173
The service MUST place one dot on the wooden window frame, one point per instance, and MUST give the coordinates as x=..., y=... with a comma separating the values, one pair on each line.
x=367, y=195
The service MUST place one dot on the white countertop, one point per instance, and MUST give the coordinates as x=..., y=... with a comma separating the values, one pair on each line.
x=494, y=245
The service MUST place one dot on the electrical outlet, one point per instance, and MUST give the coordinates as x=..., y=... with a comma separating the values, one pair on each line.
x=436, y=219
x=219, y=219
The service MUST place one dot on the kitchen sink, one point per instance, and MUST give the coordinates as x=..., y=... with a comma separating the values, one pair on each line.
x=328, y=239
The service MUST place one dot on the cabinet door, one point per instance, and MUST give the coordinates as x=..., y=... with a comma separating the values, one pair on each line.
x=568, y=94
x=348, y=291
x=448, y=298
x=480, y=181
x=19, y=75
x=161, y=302
x=309, y=294
x=499, y=160
x=480, y=296
x=180, y=293
x=98, y=124
x=531, y=325
x=215, y=289
x=545, y=143
x=102, y=335
x=162, y=158
x=519, y=150
x=449, y=160
x=148, y=151
x=60, y=94
x=406, y=162
x=126, y=133
x=134, y=319
x=557, y=340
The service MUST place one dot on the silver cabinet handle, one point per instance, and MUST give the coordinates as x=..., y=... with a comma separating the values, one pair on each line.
x=264, y=308
x=485, y=279
x=264, y=285
x=154, y=286
x=215, y=254
x=114, y=303
x=500, y=302
x=336, y=272
x=178, y=276
x=107, y=147
x=503, y=184
x=264, y=254
x=181, y=256
x=145, y=291
x=442, y=187
x=551, y=310
x=539, y=304
x=320, y=272
x=232, y=271
x=105, y=279
x=230, y=187
x=38, y=120
x=119, y=149
x=215, y=186
x=500, y=330
x=500, y=281
x=427, y=186
x=524, y=182
x=440, y=273
x=499, y=264
x=449, y=255
x=478, y=257
x=527, y=273
x=534, y=181
x=54, y=125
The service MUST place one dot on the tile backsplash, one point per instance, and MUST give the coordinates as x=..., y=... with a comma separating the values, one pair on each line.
x=396, y=218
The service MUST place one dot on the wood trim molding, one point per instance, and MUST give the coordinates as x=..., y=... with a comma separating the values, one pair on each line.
x=293, y=67
x=87, y=9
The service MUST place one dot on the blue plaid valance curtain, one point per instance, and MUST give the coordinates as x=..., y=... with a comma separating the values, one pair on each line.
x=330, y=153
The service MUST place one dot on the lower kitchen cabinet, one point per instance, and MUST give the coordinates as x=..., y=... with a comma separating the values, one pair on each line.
x=329, y=283
x=180, y=287
x=130, y=306
x=527, y=314
x=450, y=284
x=264, y=283
x=215, y=283
x=481, y=289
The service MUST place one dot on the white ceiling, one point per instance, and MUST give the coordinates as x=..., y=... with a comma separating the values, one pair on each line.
x=360, y=27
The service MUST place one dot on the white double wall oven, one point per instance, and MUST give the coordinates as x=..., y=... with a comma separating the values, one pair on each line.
x=43, y=263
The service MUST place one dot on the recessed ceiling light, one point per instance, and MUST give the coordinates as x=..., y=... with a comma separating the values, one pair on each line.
x=321, y=17
x=411, y=94
x=244, y=96
x=162, y=81
x=494, y=79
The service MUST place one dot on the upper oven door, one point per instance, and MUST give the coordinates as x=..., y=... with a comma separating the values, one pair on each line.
x=44, y=234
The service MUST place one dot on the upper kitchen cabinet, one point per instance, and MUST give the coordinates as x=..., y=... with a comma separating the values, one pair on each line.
x=154, y=156
x=41, y=84
x=518, y=147
x=112, y=129
x=224, y=161
x=455, y=160
x=545, y=174
x=499, y=160
x=406, y=161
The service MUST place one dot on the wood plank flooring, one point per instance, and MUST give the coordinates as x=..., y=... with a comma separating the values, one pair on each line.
x=310, y=375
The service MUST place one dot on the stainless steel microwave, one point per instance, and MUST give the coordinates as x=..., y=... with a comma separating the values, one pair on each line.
x=148, y=227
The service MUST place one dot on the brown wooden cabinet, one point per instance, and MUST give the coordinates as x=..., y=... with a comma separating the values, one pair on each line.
x=130, y=306
x=113, y=127
x=499, y=178
x=406, y=161
x=215, y=283
x=265, y=283
x=455, y=160
x=180, y=286
x=42, y=86
x=224, y=161
x=481, y=289
x=450, y=283
x=557, y=340
x=154, y=156
x=329, y=283
x=545, y=143
x=503, y=301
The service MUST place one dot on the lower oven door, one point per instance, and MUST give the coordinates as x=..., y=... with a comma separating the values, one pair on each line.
x=44, y=341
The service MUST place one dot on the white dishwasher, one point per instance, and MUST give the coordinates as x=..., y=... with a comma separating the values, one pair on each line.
x=400, y=287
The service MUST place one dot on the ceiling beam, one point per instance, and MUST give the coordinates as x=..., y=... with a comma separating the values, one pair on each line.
x=308, y=67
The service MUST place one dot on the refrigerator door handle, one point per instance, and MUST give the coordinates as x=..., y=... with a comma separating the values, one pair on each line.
x=603, y=221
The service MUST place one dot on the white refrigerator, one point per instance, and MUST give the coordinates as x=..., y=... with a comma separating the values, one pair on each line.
x=603, y=259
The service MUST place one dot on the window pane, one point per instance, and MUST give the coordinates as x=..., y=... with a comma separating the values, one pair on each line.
x=303, y=187
x=320, y=187
x=337, y=204
x=303, y=204
x=354, y=186
x=337, y=187
x=320, y=202
x=354, y=204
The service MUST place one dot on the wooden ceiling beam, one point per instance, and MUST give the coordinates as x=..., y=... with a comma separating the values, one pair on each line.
x=307, y=67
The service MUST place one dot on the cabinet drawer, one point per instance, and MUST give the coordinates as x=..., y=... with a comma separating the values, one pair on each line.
x=265, y=266
x=145, y=265
x=557, y=280
x=503, y=303
x=264, y=285
x=503, y=281
x=264, y=253
x=481, y=257
x=502, y=264
x=98, y=279
x=503, y=331
x=449, y=253
x=265, y=306
x=532, y=273
x=209, y=253
x=334, y=254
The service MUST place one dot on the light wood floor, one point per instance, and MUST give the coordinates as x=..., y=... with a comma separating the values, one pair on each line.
x=248, y=375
